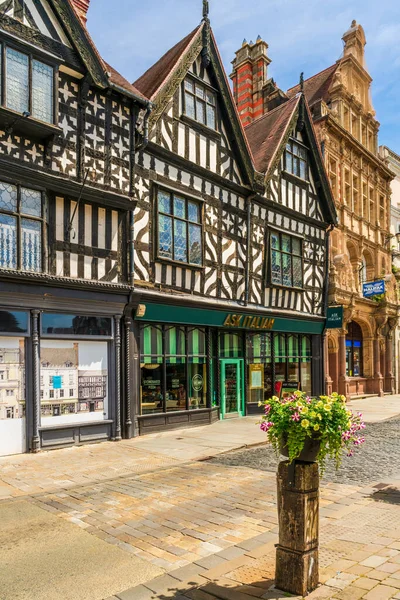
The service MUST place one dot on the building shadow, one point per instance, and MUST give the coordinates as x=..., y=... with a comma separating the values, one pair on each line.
x=216, y=590
x=389, y=494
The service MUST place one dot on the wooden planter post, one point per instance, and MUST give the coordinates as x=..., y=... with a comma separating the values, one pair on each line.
x=298, y=512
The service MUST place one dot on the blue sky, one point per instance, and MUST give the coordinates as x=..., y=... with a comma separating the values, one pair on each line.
x=302, y=36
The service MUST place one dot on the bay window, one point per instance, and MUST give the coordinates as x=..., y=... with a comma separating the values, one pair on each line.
x=296, y=159
x=180, y=236
x=286, y=260
x=28, y=85
x=21, y=228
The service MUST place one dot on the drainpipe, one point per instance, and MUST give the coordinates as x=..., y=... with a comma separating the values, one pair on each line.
x=247, y=272
x=325, y=308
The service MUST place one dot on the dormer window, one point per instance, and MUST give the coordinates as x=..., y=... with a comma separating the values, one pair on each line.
x=199, y=103
x=296, y=159
x=28, y=85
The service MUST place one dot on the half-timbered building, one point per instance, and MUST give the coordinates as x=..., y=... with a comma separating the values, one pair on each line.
x=230, y=260
x=68, y=131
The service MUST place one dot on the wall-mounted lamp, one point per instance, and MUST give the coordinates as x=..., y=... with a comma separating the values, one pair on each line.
x=70, y=228
x=10, y=128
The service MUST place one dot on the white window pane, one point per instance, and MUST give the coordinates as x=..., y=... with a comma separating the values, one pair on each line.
x=200, y=111
x=8, y=196
x=189, y=106
x=31, y=245
x=17, y=79
x=302, y=169
x=180, y=233
x=200, y=92
x=210, y=98
x=8, y=242
x=189, y=85
x=42, y=91
x=210, y=116
x=31, y=202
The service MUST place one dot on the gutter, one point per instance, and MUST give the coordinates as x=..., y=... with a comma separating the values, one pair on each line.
x=125, y=92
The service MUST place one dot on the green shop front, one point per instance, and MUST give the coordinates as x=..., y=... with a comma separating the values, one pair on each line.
x=198, y=365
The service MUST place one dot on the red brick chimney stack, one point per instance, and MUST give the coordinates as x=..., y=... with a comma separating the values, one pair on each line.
x=81, y=7
x=249, y=76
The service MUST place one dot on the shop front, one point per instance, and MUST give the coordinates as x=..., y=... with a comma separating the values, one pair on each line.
x=60, y=369
x=197, y=365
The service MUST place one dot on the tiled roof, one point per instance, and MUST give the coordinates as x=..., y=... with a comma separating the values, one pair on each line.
x=119, y=80
x=266, y=133
x=317, y=86
x=153, y=78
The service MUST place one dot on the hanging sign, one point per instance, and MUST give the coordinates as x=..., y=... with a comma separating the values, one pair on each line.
x=375, y=288
x=334, y=317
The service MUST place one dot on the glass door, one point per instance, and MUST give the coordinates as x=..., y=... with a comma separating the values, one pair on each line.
x=232, y=387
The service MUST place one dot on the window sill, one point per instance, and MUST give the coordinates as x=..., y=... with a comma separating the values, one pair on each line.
x=285, y=287
x=297, y=178
x=28, y=127
x=177, y=263
x=204, y=129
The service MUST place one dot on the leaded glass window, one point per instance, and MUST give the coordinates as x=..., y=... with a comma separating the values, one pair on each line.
x=179, y=229
x=199, y=103
x=21, y=228
x=296, y=159
x=29, y=85
x=286, y=260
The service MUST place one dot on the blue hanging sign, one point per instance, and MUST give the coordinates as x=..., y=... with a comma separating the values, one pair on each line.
x=57, y=382
x=375, y=288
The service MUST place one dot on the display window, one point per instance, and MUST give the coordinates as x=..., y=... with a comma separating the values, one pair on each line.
x=230, y=345
x=259, y=359
x=354, y=350
x=73, y=382
x=173, y=368
x=12, y=395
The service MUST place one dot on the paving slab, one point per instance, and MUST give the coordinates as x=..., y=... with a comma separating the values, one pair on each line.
x=42, y=556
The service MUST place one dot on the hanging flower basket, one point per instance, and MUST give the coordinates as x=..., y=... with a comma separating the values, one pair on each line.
x=312, y=429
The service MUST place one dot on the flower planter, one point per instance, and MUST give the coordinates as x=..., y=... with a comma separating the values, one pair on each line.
x=309, y=452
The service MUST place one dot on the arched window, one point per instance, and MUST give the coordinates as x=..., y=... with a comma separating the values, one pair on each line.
x=363, y=271
x=354, y=350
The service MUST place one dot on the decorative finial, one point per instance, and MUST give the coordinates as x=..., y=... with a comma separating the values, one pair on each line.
x=244, y=42
x=259, y=38
x=206, y=9
x=251, y=43
x=353, y=23
x=302, y=81
x=206, y=50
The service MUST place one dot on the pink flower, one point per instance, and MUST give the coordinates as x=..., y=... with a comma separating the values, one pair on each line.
x=295, y=417
x=266, y=426
x=267, y=409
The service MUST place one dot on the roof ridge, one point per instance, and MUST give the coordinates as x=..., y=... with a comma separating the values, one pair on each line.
x=312, y=77
x=165, y=73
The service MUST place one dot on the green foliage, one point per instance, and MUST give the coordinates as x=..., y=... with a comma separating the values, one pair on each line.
x=325, y=419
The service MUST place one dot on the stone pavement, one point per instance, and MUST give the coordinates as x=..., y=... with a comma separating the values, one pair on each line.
x=174, y=528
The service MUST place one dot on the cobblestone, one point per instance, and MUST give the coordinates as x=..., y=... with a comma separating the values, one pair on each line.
x=377, y=461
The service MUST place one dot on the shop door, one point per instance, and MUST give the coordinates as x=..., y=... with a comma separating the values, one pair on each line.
x=232, y=392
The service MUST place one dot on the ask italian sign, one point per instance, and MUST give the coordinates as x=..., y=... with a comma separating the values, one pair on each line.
x=334, y=317
x=374, y=288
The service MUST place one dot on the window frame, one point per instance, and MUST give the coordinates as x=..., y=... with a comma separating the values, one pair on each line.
x=207, y=88
x=47, y=60
x=269, y=281
x=181, y=195
x=293, y=141
x=19, y=216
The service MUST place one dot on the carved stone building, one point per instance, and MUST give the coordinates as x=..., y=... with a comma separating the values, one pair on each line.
x=359, y=357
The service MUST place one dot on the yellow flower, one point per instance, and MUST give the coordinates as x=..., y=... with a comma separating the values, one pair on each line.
x=304, y=410
x=319, y=417
x=327, y=407
x=313, y=414
x=316, y=427
x=305, y=423
x=320, y=404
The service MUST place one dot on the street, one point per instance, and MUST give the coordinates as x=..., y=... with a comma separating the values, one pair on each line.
x=147, y=525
